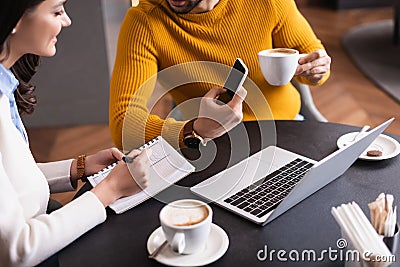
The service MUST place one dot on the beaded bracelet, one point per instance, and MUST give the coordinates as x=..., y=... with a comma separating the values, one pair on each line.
x=80, y=167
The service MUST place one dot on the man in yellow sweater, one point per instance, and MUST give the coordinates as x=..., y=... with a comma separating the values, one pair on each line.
x=158, y=34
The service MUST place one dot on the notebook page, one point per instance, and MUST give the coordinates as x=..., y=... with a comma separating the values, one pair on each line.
x=167, y=167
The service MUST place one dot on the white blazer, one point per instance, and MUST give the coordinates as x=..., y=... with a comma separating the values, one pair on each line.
x=27, y=234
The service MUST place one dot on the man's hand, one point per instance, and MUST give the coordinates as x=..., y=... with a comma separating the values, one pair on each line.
x=214, y=119
x=314, y=66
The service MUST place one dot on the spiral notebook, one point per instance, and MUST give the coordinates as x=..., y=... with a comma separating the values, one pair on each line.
x=167, y=167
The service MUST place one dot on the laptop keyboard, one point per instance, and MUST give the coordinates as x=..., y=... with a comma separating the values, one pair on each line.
x=265, y=194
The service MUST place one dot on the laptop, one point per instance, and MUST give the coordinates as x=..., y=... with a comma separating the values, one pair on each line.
x=273, y=180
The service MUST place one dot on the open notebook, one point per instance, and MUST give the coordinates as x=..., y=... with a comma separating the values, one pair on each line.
x=167, y=167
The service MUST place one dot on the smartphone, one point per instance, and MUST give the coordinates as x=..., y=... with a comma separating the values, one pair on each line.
x=234, y=81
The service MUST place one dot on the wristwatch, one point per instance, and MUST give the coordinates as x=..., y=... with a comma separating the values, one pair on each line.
x=190, y=137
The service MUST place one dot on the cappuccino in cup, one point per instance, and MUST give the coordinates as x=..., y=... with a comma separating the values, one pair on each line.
x=279, y=65
x=186, y=225
x=185, y=214
x=280, y=52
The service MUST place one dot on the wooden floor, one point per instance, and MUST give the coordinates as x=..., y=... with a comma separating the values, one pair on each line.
x=347, y=97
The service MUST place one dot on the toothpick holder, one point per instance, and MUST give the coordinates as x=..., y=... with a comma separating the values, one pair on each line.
x=392, y=242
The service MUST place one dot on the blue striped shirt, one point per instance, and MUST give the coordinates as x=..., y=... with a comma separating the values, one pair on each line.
x=8, y=85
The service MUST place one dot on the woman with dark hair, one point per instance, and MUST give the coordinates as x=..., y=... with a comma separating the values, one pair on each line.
x=28, y=236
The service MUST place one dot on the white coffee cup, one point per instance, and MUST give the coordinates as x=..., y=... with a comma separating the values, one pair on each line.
x=186, y=224
x=278, y=65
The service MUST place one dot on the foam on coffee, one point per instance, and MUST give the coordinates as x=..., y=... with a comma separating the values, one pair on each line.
x=280, y=52
x=185, y=214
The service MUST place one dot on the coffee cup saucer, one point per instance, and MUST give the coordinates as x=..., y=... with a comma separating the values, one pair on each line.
x=217, y=245
x=387, y=145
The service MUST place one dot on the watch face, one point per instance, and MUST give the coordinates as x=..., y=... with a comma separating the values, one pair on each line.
x=192, y=142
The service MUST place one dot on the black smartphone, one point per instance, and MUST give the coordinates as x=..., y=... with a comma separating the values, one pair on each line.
x=234, y=81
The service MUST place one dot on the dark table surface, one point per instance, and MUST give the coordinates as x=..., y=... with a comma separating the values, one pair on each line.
x=396, y=21
x=121, y=240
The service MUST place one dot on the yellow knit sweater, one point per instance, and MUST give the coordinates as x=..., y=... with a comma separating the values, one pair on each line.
x=153, y=38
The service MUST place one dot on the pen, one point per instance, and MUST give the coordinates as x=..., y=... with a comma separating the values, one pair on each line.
x=127, y=159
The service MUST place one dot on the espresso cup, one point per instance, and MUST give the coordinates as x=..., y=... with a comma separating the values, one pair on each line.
x=278, y=65
x=186, y=224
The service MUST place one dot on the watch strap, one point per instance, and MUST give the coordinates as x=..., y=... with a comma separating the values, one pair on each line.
x=189, y=134
x=188, y=128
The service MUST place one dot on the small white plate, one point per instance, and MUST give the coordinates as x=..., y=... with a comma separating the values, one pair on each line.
x=386, y=144
x=216, y=247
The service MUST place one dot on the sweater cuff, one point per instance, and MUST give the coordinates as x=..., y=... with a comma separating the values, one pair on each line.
x=91, y=206
x=172, y=132
x=76, y=218
x=58, y=175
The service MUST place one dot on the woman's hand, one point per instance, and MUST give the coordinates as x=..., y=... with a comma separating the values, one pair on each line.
x=125, y=179
x=96, y=162
x=102, y=159
x=314, y=66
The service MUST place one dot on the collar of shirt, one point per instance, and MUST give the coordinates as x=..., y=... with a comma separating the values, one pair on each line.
x=8, y=85
x=8, y=82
